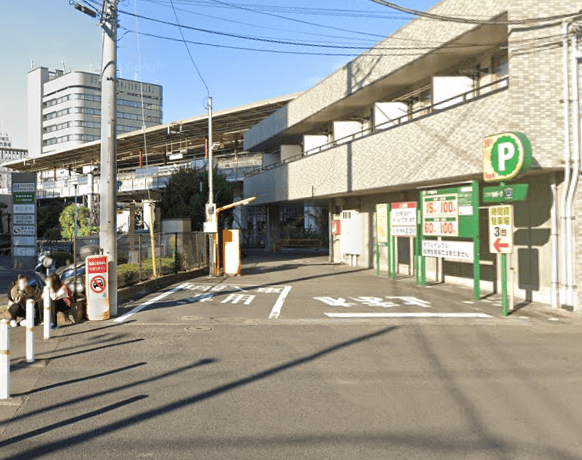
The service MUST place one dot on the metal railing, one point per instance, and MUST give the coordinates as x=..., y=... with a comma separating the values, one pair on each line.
x=460, y=99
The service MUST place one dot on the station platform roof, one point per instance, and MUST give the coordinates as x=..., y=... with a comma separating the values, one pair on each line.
x=183, y=139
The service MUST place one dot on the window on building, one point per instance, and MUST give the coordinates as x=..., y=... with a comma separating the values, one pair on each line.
x=500, y=65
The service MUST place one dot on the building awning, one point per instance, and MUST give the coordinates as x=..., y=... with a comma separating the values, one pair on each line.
x=163, y=144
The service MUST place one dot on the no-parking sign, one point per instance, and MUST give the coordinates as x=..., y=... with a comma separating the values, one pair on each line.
x=97, y=288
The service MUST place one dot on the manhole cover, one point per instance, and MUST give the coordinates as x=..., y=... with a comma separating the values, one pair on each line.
x=198, y=329
x=189, y=318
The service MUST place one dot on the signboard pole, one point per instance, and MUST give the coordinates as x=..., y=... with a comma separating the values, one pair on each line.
x=477, y=245
x=421, y=234
x=394, y=259
x=389, y=242
x=417, y=251
x=504, y=303
x=377, y=248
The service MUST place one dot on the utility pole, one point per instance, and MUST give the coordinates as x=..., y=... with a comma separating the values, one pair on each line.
x=210, y=207
x=108, y=184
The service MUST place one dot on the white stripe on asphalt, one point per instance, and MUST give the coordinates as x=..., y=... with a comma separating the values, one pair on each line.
x=276, y=311
x=163, y=295
x=408, y=315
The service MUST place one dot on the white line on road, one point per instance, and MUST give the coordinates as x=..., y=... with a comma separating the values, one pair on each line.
x=276, y=311
x=408, y=315
x=163, y=295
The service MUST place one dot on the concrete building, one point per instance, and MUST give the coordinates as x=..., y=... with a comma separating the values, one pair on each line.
x=64, y=109
x=411, y=114
x=8, y=153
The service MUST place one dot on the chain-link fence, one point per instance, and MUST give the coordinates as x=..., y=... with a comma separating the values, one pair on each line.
x=173, y=252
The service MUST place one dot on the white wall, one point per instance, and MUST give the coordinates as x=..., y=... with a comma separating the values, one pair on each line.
x=385, y=112
x=34, y=83
x=289, y=151
x=313, y=141
x=444, y=88
x=342, y=129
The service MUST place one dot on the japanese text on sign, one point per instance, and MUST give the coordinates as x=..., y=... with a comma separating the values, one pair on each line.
x=441, y=215
x=455, y=250
x=403, y=219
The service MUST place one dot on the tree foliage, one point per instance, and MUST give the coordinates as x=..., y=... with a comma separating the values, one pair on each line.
x=67, y=220
x=48, y=219
x=186, y=195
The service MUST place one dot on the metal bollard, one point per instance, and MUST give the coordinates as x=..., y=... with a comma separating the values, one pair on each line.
x=46, y=312
x=4, y=360
x=30, y=331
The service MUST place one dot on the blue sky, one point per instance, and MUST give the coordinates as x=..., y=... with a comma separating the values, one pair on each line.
x=47, y=33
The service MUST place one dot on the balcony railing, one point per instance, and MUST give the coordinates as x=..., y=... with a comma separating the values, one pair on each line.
x=460, y=99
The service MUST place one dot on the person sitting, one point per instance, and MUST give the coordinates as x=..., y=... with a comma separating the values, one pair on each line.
x=61, y=296
x=18, y=294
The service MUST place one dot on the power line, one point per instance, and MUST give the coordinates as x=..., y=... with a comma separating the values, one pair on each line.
x=259, y=25
x=188, y=49
x=460, y=20
x=295, y=43
x=372, y=53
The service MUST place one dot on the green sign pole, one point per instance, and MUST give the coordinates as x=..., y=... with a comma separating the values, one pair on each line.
x=393, y=255
x=504, y=301
x=388, y=245
x=476, y=245
x=377, y=248
x=417, y=247
x=504, y=296
x=421, y=234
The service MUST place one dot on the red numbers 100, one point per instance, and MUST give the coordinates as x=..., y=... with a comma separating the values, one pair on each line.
x=447, y=207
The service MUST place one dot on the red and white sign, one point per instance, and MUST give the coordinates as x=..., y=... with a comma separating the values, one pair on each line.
x=97, y=264
x=97, y=288
x=403, y=219
x=98, y=284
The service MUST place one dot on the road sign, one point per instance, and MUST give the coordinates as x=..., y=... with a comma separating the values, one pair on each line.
x=501, y=229
x=382, y=223
x=505, y=193
x=505, y=156
x=453, y=250
x=403, y=219
x=98, y=284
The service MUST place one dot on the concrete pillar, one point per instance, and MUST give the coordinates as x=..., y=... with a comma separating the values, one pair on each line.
x=273, y=231
x=132, y=254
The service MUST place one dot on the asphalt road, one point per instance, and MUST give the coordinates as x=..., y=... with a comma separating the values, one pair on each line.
x=184, y=378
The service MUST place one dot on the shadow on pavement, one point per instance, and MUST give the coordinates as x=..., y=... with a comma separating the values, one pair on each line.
x=67, y=443
x=109, y=391
x=81, y=379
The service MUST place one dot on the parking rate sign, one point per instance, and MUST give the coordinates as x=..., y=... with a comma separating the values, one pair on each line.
x=403, y=219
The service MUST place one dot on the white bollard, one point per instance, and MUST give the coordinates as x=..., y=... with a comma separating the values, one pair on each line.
x=30, y=331
x=4, y=360
x=46, y=317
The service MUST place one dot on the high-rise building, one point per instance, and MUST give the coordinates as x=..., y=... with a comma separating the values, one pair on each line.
x=8, y=153
x=64, y=109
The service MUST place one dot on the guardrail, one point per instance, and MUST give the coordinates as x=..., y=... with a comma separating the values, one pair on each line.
x=464, y=98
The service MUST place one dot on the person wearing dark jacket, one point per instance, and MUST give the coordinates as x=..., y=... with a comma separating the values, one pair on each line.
x=61, y=296
x=19, y=294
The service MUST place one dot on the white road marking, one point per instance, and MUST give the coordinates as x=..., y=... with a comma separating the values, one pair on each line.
x=276, y=311
x=163, y=295
x=468, y=303
x=553, y=319
x=408, y=315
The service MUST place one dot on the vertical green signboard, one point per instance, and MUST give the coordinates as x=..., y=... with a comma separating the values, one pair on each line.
x=450, y=228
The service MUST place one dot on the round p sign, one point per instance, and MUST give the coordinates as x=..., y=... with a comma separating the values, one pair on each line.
x=505, y=156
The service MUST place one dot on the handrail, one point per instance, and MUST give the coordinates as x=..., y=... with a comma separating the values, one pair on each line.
x=394, y=123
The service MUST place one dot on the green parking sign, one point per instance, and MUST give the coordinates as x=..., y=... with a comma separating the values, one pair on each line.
x=506, y=156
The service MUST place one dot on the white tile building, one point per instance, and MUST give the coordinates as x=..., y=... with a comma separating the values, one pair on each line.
x=64, y=109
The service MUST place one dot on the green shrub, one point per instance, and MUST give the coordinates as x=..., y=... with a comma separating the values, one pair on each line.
x=129, y=273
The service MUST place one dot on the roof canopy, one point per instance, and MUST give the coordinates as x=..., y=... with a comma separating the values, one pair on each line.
x=187, y=137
